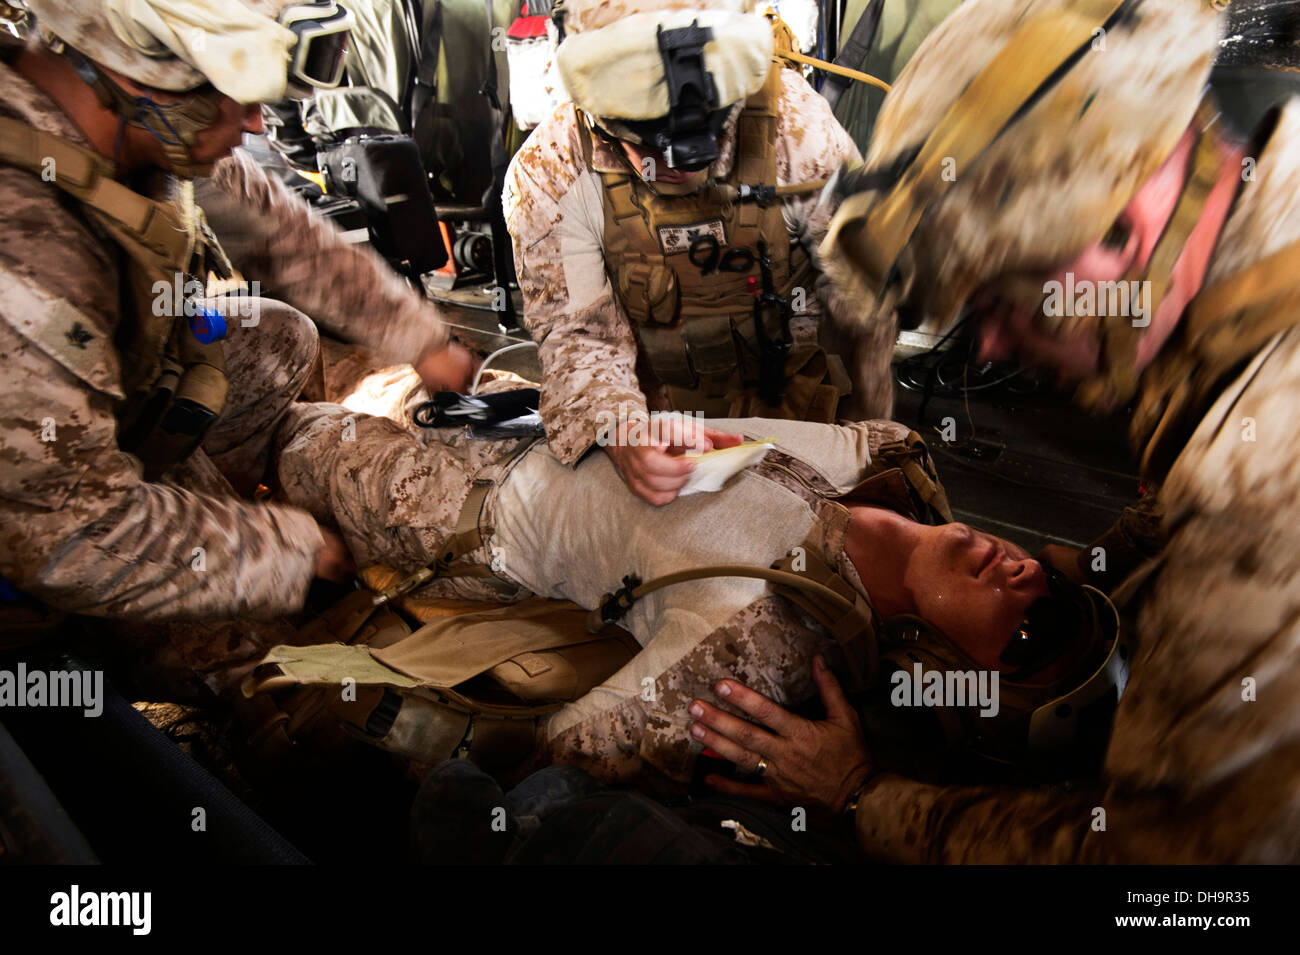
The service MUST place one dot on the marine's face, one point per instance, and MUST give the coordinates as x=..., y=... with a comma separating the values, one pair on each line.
x=652, y=164
x=220, y=139
x=1017, y=328
x=974, y=587
x=213, y=143
x=1011, y=329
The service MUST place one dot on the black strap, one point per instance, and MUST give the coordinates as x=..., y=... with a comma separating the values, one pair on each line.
x=426, y=72
x=411, y=27
x=854, y=51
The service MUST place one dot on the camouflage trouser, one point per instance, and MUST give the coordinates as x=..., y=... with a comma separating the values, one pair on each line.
x=267, y=363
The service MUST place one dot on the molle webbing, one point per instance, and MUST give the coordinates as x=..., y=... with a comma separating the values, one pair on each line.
x=696, y=330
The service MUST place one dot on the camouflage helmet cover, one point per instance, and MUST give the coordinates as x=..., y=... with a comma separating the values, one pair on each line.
x=583, y=16
x=612, y=66
x=179, y=45
x=1060, y=172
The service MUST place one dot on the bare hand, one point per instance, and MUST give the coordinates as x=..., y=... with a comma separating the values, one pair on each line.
x=1065, y=559
x=815, y=764
x=656, y=471
x=449, y=368
x=333, y=561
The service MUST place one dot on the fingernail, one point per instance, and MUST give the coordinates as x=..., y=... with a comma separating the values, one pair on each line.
x=697, y=731
x=696, y=710
x=819, y=663
x=724, y=689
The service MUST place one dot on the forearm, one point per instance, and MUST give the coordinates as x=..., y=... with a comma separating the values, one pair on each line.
x=899, y=820
x=865, y=343
x=589, y=380
x=157, y=552
x=584, y=400
x=1136, y=537
x=272, y=236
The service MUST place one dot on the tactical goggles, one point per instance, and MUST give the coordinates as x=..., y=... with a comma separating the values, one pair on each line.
x=322, y=29
x=689, y=143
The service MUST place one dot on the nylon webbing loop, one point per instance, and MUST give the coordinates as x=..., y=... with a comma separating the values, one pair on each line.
x=1120, y=340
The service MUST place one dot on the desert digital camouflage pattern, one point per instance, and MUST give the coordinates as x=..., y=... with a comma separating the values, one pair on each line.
x=229, y=38
x=82, y=531
x=1204, y=760
x=583, y=16
x=554, y=209
x=1098, y=128
x=573, y=533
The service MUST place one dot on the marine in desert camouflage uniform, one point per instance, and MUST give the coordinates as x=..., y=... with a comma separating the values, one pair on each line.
x=593, y=364
x=1203, y=763
x=83, y=530
x=573, y=533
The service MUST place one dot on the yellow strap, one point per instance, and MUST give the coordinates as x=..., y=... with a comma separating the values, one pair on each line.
x=975, y=119
x=1120, y=339
x=1268, y=279
x=796, y=57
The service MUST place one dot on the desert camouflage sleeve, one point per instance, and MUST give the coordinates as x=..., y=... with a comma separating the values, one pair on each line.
x=84, y=533
x=79, y=528
x=585, y=341
x=272, y=236
x=1135, y=537
x=811, y=146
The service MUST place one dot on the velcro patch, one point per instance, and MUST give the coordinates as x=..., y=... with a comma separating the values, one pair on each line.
x=678, y=238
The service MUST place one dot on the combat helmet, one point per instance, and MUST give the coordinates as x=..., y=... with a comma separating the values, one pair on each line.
x=252, y=51
x=1012, y=141
x=1062, y=675
x=664, y=73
